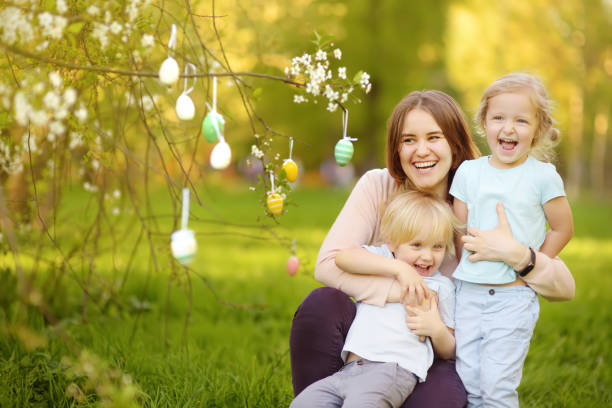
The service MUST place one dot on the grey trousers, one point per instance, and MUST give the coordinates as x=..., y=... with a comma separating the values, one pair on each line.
x=360, y=383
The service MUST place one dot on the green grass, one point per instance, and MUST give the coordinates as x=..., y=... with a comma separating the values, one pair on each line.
x=238, y=355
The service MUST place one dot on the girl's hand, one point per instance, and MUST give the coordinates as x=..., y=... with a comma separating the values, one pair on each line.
x=414, y=289
x=496, y=244
x=425, y=321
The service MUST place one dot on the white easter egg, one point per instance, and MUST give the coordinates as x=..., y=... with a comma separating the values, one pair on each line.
x=220, y=156
x=169, y=71
x=185, y=109
x=183, y=245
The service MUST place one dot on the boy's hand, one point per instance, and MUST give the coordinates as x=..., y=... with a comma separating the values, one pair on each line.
x=424, y=319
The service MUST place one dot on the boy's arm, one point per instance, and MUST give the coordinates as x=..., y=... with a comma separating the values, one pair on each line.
x=361, y=261
x=429, y=323
x=559, y=216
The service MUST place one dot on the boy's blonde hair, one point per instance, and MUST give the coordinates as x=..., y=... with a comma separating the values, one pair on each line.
x=546, y=135
x=408, y=213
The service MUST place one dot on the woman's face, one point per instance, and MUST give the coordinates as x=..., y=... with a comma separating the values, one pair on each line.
x=424, y=152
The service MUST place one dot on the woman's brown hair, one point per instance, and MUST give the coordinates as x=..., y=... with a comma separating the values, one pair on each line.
x=447, y=115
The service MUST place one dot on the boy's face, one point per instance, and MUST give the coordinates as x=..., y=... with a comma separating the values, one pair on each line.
x=423, y=254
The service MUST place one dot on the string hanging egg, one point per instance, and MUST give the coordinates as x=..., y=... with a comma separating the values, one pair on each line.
x=343, y=151
x=169, y=70
x=185, y=109
x=289, y=166
x=213, y=124
x=183, y=244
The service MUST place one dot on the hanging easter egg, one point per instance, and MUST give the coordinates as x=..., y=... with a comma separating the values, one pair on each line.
x=293, y=264
x=185, y=109
x=291, y=170
x=275, y=203
x=212, y=126
x=169, y=71
x=220, y=156
x=183, y=246
x=343, y=152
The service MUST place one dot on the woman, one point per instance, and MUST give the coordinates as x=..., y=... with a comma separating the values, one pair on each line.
x=427, y=140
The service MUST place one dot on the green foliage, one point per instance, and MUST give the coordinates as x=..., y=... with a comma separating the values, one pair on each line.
x=235, y=356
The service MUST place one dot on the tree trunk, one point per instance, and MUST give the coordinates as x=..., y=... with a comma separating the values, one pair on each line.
x=599, y=151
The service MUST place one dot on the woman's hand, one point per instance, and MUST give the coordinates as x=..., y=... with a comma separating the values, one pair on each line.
x=496, y=244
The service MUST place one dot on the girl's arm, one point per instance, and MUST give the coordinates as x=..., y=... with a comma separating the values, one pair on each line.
x=550, y=277
x=461, y=212
x=429, y=323
x=559, y=217
x=357, y=225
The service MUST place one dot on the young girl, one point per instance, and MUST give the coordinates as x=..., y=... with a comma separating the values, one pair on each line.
x=383, y=355
x=496, y=310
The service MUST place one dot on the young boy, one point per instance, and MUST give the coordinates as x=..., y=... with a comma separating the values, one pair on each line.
x=384, y=357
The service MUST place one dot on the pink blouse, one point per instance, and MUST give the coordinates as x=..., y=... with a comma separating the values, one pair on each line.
x=359, y=224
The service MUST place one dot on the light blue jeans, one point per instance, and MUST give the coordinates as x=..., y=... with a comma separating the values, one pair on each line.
x=493, y=327
x=360, y=383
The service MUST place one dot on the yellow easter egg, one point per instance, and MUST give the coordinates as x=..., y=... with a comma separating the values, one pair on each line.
x=291, y=170
x=275, y=203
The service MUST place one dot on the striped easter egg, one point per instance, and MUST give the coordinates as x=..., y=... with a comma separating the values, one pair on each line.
x=212, y=126
x=343, y=152
x=275, y=203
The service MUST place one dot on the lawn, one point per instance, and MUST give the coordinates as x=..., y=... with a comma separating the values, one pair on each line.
x=234, y=350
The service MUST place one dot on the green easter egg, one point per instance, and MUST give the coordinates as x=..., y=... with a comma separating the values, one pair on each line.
x=212, y=132
x=343, y=152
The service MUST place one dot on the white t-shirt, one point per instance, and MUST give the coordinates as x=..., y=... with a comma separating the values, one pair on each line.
x=522, y=190
x=380, y=333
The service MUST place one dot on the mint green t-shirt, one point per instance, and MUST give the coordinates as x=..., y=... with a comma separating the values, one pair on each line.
x=522, y=190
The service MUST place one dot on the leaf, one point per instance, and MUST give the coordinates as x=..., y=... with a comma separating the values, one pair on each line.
x=357, y=76
x=75, y=28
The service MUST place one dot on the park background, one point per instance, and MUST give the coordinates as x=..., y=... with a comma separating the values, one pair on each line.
x=94, y=310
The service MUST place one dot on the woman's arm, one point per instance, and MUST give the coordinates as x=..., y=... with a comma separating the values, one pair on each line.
x=357, y=225
x=559, y=217
x=550, y=277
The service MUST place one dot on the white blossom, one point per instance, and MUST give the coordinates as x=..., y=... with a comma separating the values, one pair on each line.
x=55, y=79
x=256, y=152
x=76, y=140
x=51, y=100
x=320, y=55
x=116, y=211
x=100, y=32
x=116, y=194
x=332, y=106
x=116, y=27
x=70, y=96
x=342, y=72
x=61, y=6
x=93, y=10
x=299, y=99
x=22, y=108
x=338, y=53
x=81, y=114
x=57, y=127
x=39, y=117
x=147, y=41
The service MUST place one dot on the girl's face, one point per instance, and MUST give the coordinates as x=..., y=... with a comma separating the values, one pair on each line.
x=424, y=153
x=510, y=125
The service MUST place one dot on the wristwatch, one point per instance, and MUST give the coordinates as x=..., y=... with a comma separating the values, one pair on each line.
x=530, y=265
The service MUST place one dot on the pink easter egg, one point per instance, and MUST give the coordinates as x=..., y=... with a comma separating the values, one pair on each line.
x=292, y=265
